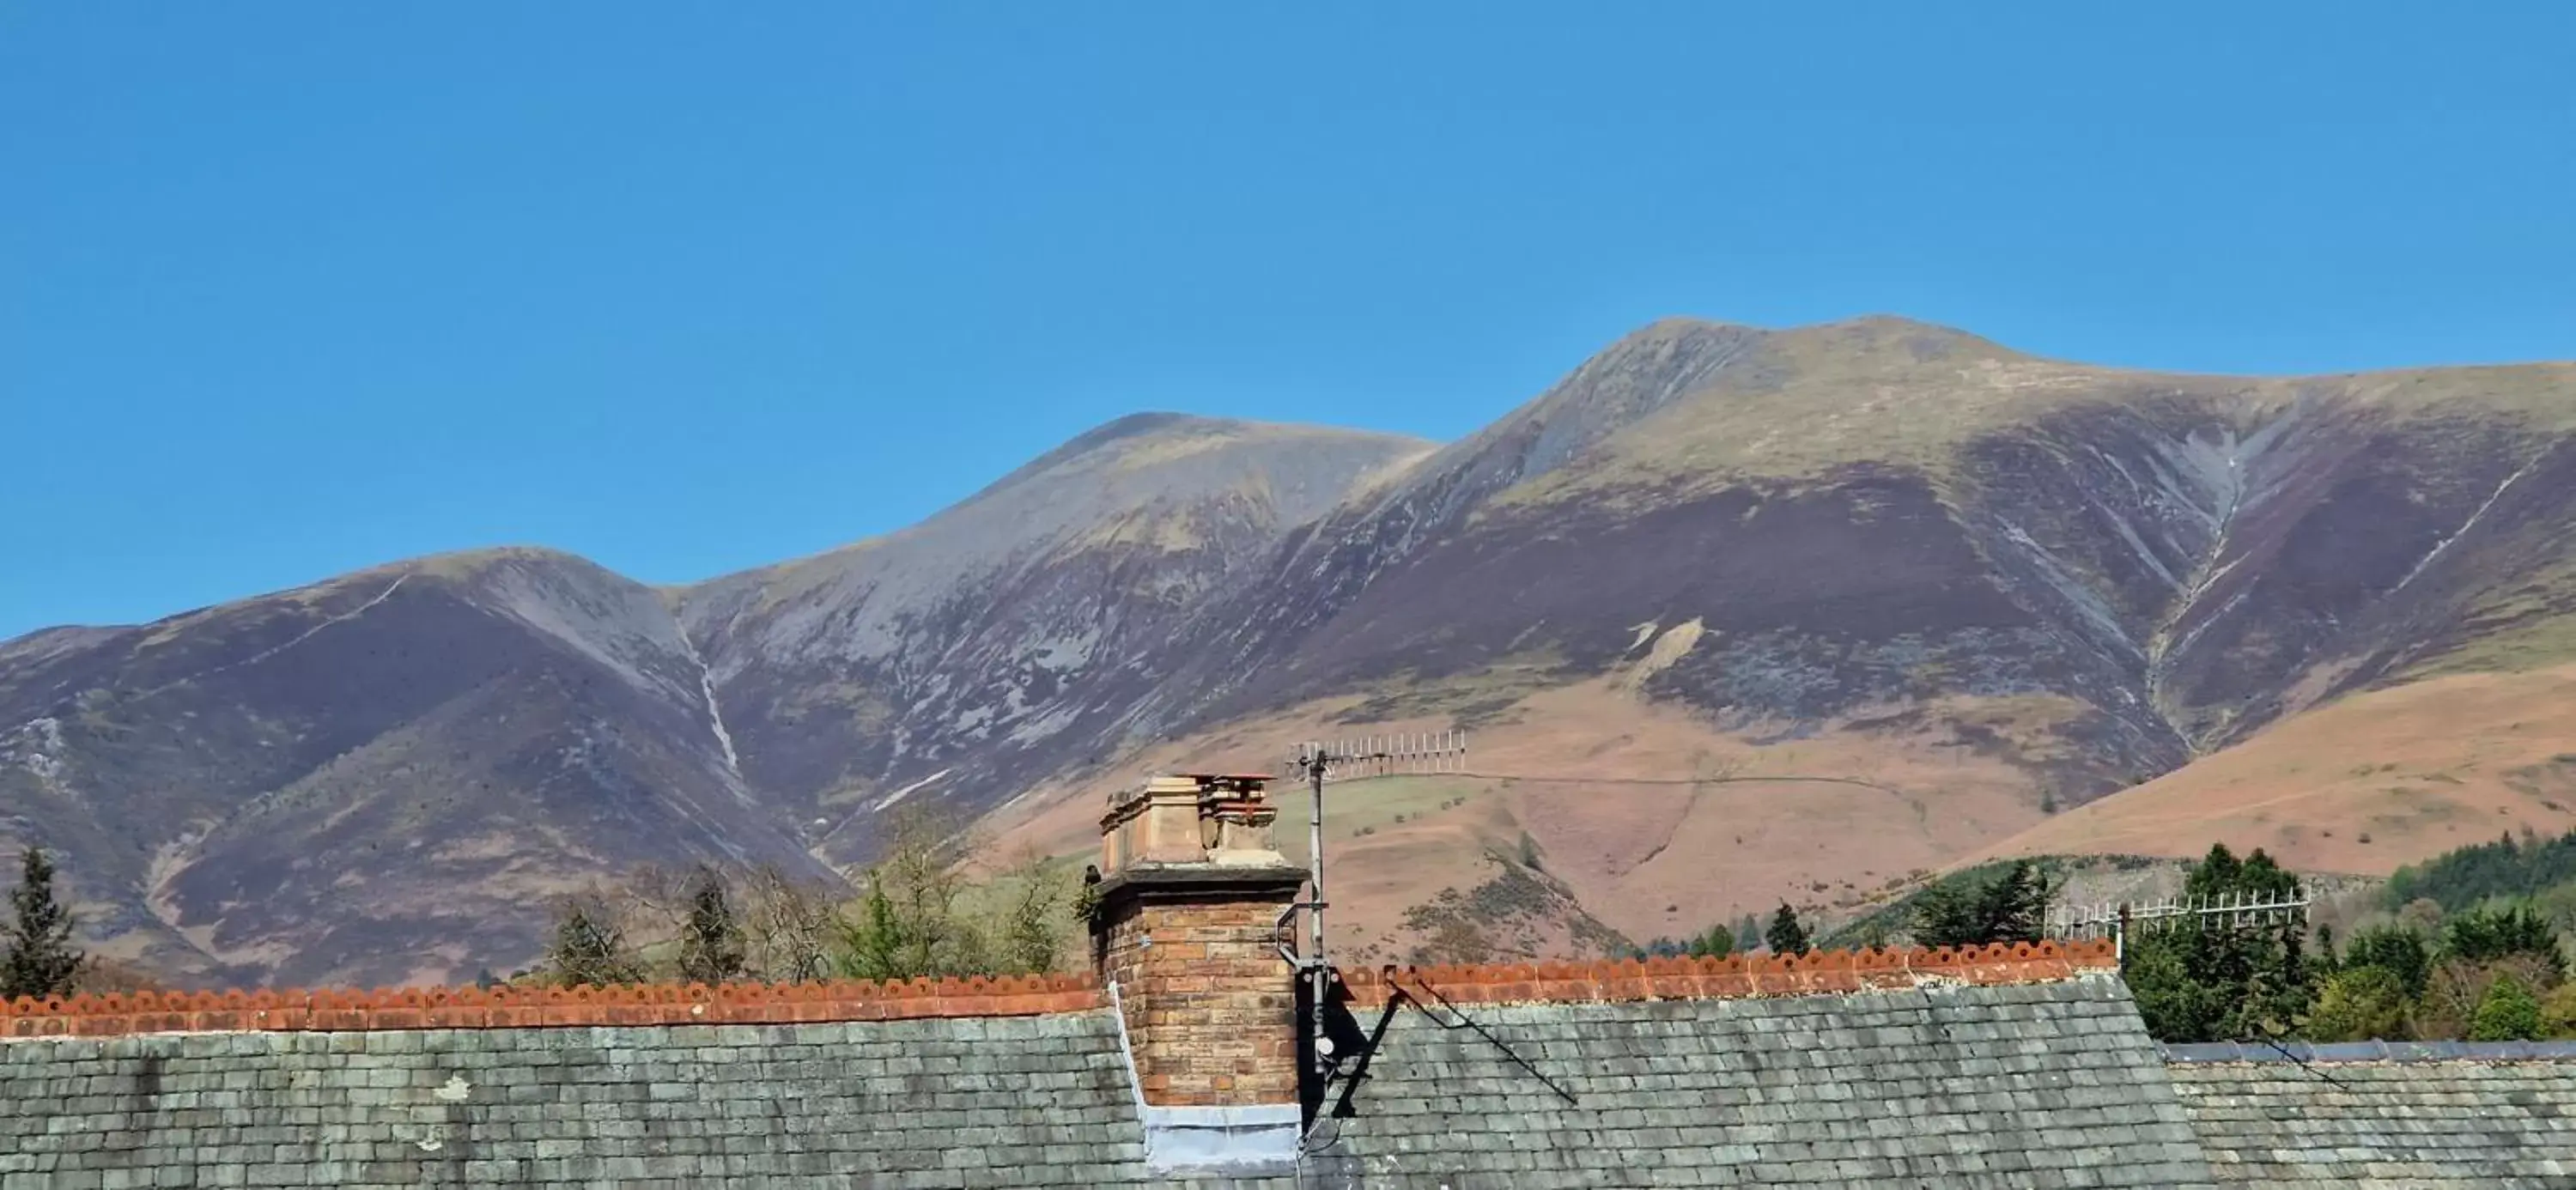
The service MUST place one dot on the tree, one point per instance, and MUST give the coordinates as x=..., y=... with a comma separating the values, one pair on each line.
x=711, y=942
x=2010, y=907
x=2016, y=905
x=2213, y=979
x=590, y=946
x=2508, y=1012
x=1786, y=936
x=1031, y=930
x=2360, y=1004
x=2459, y=988
x=1716, y=942
x=2558, y=1013
x=2485, y=935
x=1946, y=915
x=789, y=925
x=910, y=923
x=875, y=945
x=2399, y=951
x=1748, y=933
x=36, y=954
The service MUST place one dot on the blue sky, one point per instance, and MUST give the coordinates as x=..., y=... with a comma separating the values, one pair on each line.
x=292, y=288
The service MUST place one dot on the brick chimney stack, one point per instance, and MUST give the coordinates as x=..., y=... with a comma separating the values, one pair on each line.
x=1186, y=932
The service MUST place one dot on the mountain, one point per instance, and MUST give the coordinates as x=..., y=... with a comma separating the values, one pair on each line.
x=1738, y=616
x=967, y=654
x=383, y=777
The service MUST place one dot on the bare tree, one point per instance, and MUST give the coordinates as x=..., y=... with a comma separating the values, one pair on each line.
x=789, y=925
x=590, y=944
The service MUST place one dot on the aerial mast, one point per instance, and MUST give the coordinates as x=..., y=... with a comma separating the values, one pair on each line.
x=1345, y=761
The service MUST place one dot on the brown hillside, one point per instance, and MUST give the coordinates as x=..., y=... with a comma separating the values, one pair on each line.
x=1653, y=820
x=2362, y=785
x=1737, y=616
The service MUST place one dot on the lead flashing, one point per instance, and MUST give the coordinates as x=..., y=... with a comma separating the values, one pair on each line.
x=1256, y=1140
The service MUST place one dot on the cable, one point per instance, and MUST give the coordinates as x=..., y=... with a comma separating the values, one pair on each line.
x=1468, y=1022
x=2302, y=1063
x=1668, y=781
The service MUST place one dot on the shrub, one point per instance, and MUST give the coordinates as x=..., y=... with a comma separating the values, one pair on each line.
x=2558, y=1013
x=2509, y=1012
x=2360, y=1004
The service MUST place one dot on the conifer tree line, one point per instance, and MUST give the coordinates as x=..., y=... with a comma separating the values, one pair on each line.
x=2467, y=947
x=2488, y=967
x=2494, y=970
x=36, y=953
x=919, y=912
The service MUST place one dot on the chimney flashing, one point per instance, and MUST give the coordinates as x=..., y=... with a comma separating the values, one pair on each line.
x=1258, y=1140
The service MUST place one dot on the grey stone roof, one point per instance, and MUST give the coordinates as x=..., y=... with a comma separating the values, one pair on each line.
x=2369, y=1115
x=2035, y=1085
x=2042, y=1085
x=1018, y=1101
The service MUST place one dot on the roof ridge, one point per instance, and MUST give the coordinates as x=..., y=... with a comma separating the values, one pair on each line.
x=1821, y=972
x=469, y=1007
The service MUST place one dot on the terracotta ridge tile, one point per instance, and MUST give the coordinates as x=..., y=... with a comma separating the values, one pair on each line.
x=1815, y=973
x=468, y=1007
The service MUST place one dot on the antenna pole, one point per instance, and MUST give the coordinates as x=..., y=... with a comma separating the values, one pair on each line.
x=1360, y=759
x=1318, y=973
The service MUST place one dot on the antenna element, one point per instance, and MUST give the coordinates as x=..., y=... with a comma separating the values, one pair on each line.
x=1352, y=760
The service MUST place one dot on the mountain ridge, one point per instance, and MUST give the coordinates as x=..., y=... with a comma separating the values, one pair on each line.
x=1882, y=541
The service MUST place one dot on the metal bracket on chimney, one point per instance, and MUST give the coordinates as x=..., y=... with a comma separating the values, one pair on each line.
x=1287, y=934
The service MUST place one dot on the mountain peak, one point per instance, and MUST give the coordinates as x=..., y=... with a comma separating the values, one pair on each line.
x=475, y=561
x=1862, y=332
x=1133, y=425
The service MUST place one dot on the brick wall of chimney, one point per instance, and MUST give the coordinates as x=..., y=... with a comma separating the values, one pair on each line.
x=1187, y=927
x=1211, y=1010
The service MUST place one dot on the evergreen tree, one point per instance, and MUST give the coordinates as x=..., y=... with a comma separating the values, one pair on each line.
x=2212, y=979
x=2396, y=950
x=874, y=945
x=2487, y=935
x=2010, y=907
x=1661, y=947
x=2509, y=1012
x=1945, y=915
x=36, y=954
x=1716, y=943
x=1748, y=933
x=1030, y=937
x=2015, y=905
x=711, y=944
x=1786, y=936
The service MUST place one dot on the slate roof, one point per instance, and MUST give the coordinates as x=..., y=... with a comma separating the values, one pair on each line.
x=2036, y=1085
x=1942, y=1083
x=1019, y=1101
x=2372, y=1115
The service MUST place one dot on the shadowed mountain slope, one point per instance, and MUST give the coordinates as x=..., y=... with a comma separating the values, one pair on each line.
x=1013, y=634
x=1850, y=521
x=361, y=778
x=382, y=777
x=1889, y=574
